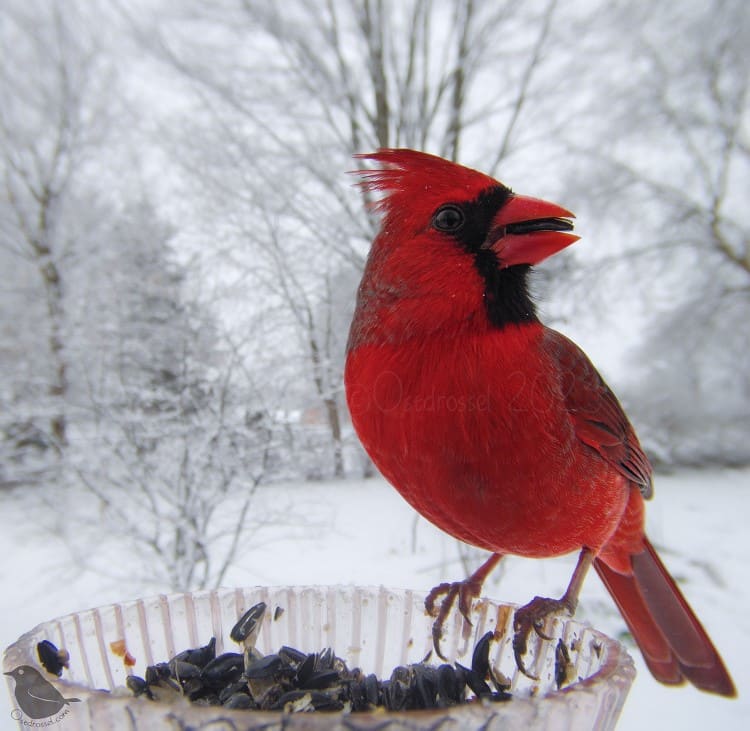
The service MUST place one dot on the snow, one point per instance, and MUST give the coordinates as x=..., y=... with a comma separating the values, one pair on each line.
x=361, y=532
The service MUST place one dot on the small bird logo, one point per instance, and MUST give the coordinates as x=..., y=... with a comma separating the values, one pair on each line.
x=37, y=697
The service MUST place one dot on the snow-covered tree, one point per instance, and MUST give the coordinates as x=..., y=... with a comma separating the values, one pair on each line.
x=165, y=432
x=285, y=95
x=52, y=82
x=665, y=148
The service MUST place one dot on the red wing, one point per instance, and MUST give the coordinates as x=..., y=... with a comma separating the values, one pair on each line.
x=598, y=418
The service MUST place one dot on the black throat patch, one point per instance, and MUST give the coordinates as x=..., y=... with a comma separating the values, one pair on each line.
x=506, y=291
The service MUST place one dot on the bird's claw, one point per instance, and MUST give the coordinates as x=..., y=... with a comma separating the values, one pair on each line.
x=465, y=591
x=533, y=616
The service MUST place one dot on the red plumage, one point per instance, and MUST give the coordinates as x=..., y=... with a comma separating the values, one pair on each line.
x=497, y=429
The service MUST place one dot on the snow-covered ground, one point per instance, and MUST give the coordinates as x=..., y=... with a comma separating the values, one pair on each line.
x=361, y=532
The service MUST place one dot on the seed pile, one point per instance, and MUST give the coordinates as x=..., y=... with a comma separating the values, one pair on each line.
x=293, y=681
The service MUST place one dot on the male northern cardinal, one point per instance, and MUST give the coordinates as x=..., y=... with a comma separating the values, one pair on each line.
x=494, y=427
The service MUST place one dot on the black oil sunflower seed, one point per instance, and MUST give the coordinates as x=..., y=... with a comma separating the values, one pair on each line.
x=248, y=623
x=52, y=659
x=292, y=681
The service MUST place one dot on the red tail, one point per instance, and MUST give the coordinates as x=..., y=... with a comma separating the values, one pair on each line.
x=674, y=644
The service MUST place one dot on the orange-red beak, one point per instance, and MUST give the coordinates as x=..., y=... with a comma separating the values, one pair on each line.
x=528, y=230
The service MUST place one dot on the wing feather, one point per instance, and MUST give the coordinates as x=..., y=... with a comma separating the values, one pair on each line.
x=598, y=418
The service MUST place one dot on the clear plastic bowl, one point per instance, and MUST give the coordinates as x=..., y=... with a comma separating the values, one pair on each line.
x=374, y=629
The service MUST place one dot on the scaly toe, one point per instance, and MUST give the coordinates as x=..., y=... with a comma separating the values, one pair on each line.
x=465, y=591
x=530, y=617
x=449, y=593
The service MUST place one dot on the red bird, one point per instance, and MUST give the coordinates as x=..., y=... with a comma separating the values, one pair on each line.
x=494, y=427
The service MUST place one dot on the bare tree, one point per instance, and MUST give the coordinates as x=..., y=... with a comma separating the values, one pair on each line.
x=674, y=171
x=48, y=121
x=175, y=488
x=355, y=75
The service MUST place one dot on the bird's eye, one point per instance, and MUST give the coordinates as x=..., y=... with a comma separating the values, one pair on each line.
x=448, y=218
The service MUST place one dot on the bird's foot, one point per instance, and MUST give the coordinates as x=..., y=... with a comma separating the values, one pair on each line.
x=533, y=616
x=465, y=591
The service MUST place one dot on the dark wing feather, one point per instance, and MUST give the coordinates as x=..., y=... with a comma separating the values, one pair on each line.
x=598, y=418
